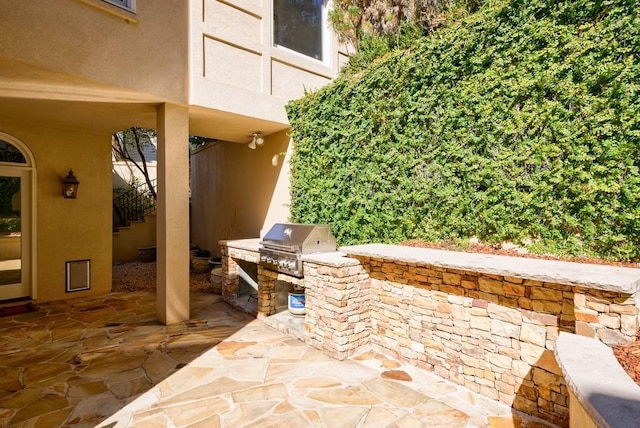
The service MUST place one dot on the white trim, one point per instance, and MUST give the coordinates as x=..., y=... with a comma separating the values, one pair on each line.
x=326, y=37
x=129, y=15
x=26, y=172
x=28, y=156
x=75, y=268
x=34, y=234
x=129, y=5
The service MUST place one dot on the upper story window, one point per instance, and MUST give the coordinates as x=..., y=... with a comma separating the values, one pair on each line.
x=125, y=4
x=300, y=25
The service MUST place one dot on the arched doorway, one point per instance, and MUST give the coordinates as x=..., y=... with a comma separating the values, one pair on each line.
x=16, y=219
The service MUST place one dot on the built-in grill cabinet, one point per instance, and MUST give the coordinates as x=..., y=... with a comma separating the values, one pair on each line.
x=282, y=247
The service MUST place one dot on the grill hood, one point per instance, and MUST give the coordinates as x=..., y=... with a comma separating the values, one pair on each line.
x=300, y=238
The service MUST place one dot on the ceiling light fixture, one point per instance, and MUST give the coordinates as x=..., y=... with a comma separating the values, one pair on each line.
x=258, y=138
x=256, y=141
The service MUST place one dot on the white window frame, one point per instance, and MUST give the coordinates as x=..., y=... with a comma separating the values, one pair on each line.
x=129, y=5
x=326, y=37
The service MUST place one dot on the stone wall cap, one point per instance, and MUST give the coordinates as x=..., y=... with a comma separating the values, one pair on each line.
x=607, y=393
x=602, y=277
x=333, y=259
x=252, y=244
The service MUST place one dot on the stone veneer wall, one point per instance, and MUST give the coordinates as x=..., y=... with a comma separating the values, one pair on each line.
x=231, y=269
x=267, y=289
x=492, y=333
x=338, y=307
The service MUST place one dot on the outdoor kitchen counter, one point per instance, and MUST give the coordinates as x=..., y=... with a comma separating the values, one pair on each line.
x=336, y=259
x=601, y=277
x=252, y=244
x=332, y=259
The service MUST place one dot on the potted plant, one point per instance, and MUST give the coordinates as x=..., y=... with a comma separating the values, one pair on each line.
x=200, y=261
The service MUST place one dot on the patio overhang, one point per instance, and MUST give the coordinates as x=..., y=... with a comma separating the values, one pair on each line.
x=56, y=100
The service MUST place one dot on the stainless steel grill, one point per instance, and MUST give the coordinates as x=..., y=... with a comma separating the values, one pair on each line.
x=282, y=247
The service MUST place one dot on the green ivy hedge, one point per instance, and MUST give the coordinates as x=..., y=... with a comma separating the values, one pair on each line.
x=521, y=123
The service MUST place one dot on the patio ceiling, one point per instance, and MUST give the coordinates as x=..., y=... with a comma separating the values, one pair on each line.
x=42, y=96
x=81, y=115
x=228, y=126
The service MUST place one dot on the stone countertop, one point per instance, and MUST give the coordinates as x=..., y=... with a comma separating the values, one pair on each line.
x=600, y=384
x=251, y=244
x=602, y=277
x=334, y=259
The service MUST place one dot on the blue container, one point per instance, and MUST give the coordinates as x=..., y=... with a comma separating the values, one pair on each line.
x=296, y=303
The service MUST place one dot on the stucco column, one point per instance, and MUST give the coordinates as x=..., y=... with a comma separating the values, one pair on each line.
x=172, y=231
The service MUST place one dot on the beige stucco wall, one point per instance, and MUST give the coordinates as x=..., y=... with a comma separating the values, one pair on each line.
x=149, y=55
x=238, y=190
x=127, y=240
x=68, y=229
x=232, y=56
x=74, y=71
x=124, y=173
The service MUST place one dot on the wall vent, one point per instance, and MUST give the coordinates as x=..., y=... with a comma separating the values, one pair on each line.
x=78, y=275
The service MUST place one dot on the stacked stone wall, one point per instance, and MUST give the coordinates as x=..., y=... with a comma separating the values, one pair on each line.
x=493, y=334
x=266, y=291
x=231, y=268
x=267, y=279
x=338, y=311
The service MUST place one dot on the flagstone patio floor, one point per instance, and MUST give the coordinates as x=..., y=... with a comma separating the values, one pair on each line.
x=105, y=361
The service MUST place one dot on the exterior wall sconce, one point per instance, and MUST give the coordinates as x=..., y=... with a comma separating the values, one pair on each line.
x=256, y=141
x=70, y=186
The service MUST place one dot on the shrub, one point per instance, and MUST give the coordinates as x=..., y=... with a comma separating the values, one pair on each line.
x=521, y=122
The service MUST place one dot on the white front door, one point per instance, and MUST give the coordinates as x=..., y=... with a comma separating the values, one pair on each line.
x=16, y=211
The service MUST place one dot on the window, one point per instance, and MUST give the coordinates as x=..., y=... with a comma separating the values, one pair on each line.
x=300, y=25
x=125, y=4
x=125, y=9
x=10, y=153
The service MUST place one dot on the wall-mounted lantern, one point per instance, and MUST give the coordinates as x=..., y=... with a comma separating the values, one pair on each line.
x=70, y=186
